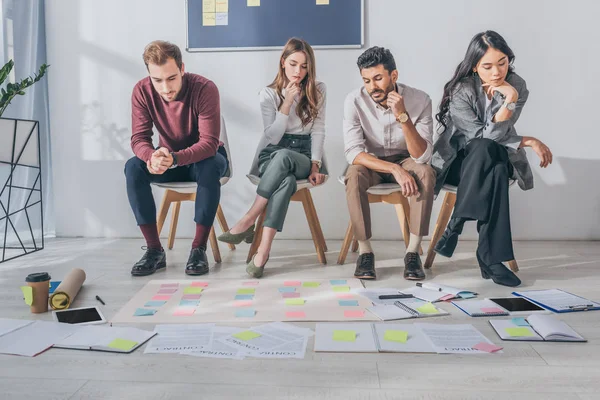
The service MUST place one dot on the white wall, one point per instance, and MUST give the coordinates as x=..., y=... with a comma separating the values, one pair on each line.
x=95, y=47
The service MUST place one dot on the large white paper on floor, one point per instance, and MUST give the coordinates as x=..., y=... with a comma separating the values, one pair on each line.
x=456, y=339
x=235, y=301
x=416, y=341
x=8, y=325
x=35, y=338
x=180, y=338
x=357, y=337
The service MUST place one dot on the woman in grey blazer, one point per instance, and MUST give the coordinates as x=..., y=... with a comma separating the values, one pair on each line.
x=479, y=151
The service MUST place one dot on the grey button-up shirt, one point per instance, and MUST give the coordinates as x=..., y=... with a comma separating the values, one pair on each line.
x=469, y=118
x=369, y=127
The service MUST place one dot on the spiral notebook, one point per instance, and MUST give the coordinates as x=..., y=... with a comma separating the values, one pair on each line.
x=480, y=308
x=406, y=308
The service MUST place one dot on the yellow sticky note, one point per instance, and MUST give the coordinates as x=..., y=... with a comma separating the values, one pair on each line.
x=122, y=344
x=209, y=19
x=521, y=331
x=247, y=335
x=208, y=6
x=322, y=2
x=246, y=291
x=344, y=336
x=222, y=6
x=253, y=3
x=311, y=284
x=28, y=293
x=192, y=290
x=427, y=308
x=395, y=336
x=341, y=288
x=294, y=302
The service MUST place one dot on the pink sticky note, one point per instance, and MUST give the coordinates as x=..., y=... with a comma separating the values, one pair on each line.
x=491, y=310
x=488, y=348
x=447, y=297
x=169, y=285
x=199, y=284
x=354, y=314
x=191, y=297
x=295, y=314
x=184, y=311
x=243, y=303
x=292, y=283
x=290, y=295
x=344, y=295
x=165, y=297
x=167, y=291
x=251, y=283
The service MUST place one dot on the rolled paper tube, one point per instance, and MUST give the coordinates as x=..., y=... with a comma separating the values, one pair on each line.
x=65, y=293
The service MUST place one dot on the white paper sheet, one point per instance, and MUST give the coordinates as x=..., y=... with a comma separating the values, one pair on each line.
x=364, y=339
x=180, y=337
x=35, y=338
x=457, y=339
x=272, y=336
x=9, y=325
x=416, y=342
x=218, y=349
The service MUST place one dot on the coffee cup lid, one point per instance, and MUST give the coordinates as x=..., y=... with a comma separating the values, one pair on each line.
x=38, y=277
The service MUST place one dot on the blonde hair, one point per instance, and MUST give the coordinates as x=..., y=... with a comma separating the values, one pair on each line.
x=159, y=52
x=308, y=106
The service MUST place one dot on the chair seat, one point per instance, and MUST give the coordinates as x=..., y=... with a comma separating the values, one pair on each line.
x=453, y=189
x=301, y=183
x=382, y=189
x=184, y=187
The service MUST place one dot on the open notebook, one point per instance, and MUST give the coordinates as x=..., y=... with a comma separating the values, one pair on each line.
x=537, y=327
x=404, y=309
x=430, y=291
x=480, y=308
x=105, y=338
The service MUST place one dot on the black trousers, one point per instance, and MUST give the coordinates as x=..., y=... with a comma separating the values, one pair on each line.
x=206, y=173
x=481, y=172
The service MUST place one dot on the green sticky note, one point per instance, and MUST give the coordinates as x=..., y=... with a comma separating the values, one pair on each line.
x=246, y=291
x=344, y=336
x=28, y=293
x=247, y=335
x=427, y=308
x=192, y=290
x=122, y=344
x=294, y=302
x=395, y=336
x=519, y=332
x=341, y=288
x=311, y=284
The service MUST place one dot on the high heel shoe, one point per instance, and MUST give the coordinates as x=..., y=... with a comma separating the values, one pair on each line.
x=253, y=270
x=237, y=238
x=499, y=273
x=447, y=243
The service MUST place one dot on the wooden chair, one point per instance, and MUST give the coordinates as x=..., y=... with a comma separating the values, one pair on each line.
x=442, y=222
x=388, y=193
x=176, y=192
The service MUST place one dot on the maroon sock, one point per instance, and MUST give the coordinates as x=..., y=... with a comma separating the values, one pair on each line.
x=201, y=237
x=150, y=232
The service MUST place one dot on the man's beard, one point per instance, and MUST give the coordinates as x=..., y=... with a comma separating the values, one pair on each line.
x=382, y=102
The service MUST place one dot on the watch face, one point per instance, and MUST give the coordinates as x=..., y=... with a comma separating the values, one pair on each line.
x=511, y=106
x=402, y=118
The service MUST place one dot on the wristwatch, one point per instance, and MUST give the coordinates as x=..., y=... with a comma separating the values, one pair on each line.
x=174, y=165
x=402, y=118
x=510, y=106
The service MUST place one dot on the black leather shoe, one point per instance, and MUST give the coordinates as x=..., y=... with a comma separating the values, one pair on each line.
x=152, y=261
x=365, y=266
x=413, y=269
x=197, y=263
x=447, y=243
x=499, y=273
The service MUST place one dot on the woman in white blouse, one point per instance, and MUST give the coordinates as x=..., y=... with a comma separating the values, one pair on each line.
x=293, y=111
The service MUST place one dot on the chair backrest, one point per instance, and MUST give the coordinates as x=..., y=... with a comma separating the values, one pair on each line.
x=225, y=140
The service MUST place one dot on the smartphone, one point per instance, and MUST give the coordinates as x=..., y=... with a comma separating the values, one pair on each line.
x=80, y=316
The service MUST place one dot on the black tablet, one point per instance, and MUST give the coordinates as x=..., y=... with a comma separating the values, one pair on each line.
x=517, y=304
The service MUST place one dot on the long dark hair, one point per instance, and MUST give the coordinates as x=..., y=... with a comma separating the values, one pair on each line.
x=477, y=48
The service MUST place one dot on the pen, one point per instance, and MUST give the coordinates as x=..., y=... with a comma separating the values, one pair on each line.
x=395, y=296
x=419, y=284
x=582, y=306
x=100, y=300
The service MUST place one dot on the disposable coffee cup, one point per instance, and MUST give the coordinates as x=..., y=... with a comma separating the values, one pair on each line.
x=40, y=286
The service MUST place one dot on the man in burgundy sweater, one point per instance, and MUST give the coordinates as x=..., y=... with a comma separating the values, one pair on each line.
x=185, y=110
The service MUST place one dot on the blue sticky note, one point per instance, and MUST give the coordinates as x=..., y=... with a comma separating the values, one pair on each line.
x=287, y=289
x=53, y=286
x=466, y=295
x=155, y=303
x=245, y=312
x=143, y=312
x=189, y=303
x=244, y=297
x=520, y=321
x=352, y=303
x=335, y=282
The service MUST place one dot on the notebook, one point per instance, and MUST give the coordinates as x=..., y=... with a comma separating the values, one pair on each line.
x=433, y=292
x=537, y=327
x=106, y=338
x=480, y=308
x=559, y=301
x=406, y=308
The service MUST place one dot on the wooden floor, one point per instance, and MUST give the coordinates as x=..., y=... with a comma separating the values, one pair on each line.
x=525, y=370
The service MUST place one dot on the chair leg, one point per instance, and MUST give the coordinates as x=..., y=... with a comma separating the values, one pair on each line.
x=257, y=236
x=354, y=245
x=318, y=223
x=440, y=226
x=223, y=224
x=174, y=220
x=514, y=267
x=345, y=244
x=214, y=245
x=312, y=225
x=164, y=210
x=402, y=211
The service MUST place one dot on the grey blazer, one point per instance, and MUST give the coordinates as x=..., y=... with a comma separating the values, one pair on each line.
x=468, y=120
